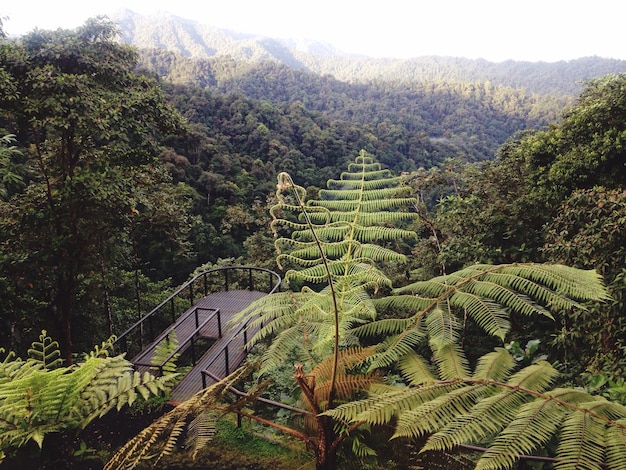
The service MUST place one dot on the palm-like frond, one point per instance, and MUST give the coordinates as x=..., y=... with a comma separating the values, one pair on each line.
x=39, y=395
x=193, y=416
x=512, y=413
x=487, y=294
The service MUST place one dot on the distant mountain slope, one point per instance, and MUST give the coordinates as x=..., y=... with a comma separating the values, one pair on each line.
x=192, y=39
x=196, y=40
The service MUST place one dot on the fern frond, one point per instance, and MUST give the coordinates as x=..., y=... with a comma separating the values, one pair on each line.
x=362, y=218
x=434, y=413
x=159, y=439
x=364, y=184
x=443, y=327
x=496, y=365
x=416, y=369
x=370, y=195
x=616, y=444
x=394, y=347
x=374, y=205
x=200, y=432
x=46, y=352
x=451, y=362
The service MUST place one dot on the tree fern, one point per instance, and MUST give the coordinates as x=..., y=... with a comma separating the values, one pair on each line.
x=339, y=239
x=39, y=395
x=487, y=294
x=195, y=417
x=511, y=412
x=333, y=250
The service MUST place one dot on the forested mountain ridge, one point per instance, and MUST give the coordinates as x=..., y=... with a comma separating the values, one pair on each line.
x=192, y=39
x=417, y=112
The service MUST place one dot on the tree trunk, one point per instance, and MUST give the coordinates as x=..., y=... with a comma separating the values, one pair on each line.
x=65, y=312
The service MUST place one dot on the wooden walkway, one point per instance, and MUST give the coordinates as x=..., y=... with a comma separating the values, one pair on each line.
x=205, y=319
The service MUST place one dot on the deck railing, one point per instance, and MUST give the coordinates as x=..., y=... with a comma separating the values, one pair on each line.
x=236, y=345
x=150, y=326
x=189, y=344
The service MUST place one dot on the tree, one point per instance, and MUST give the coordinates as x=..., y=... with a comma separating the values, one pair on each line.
x=346, y=332
x=590, y=233
x=88, y=122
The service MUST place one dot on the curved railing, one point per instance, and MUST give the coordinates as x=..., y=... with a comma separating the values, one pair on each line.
x=145, y=330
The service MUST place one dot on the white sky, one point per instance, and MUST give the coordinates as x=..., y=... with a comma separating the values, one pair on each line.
x=495, y=30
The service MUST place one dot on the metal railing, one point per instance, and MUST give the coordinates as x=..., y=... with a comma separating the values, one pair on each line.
x=238, y=339
x=189, y=343
x=150, y=326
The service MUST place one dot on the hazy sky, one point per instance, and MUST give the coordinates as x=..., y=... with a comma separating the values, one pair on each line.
x=495, y=30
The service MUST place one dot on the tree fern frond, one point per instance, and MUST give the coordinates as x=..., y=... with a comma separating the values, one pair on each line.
x=379, y=253
x=382, y=234
x=616, y=445
x=281, y=347
x=385, y=327
x=581, y=443
x=416, y=369
x=535, y=424
x=363, y=218
x=201, y=431
x=394, y=347
x=489, y=315
x=158, y=439
x=437, y=411
x=360, y=172
x=570, y=282
x=443, y=327
x=496, y=365
x=374, y=205
x=407, y=303
x=364, y=184
x=46, y=352
x=451, y=362
x=371, y=194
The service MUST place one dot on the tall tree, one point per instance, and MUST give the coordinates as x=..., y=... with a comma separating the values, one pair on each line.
x=87, y=119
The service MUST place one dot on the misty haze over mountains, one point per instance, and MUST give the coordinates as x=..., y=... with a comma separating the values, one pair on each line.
x=194, y=40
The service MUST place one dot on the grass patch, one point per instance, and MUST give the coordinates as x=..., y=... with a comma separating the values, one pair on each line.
x=235, y=448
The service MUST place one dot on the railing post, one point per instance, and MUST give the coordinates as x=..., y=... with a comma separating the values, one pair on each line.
x=219, y=323
x=245, y=339
x=193, y=351
x=172, y=310
x=191, y=293
x=196, y=315
x=250, y=286
x=227, y=368
x=203, y=379
x=206, y=286
x=150, y=328
x=226, y=279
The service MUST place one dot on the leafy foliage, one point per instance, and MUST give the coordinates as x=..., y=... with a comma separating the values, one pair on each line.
x=196, y=417
x=512, y=412
x=589, y=232
x=338, y=239
x=82, y=196
x=40, y=395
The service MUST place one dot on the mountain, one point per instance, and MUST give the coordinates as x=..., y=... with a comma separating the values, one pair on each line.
x=194, y=40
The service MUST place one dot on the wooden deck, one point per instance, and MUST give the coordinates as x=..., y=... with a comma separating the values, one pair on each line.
x=201, y=321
